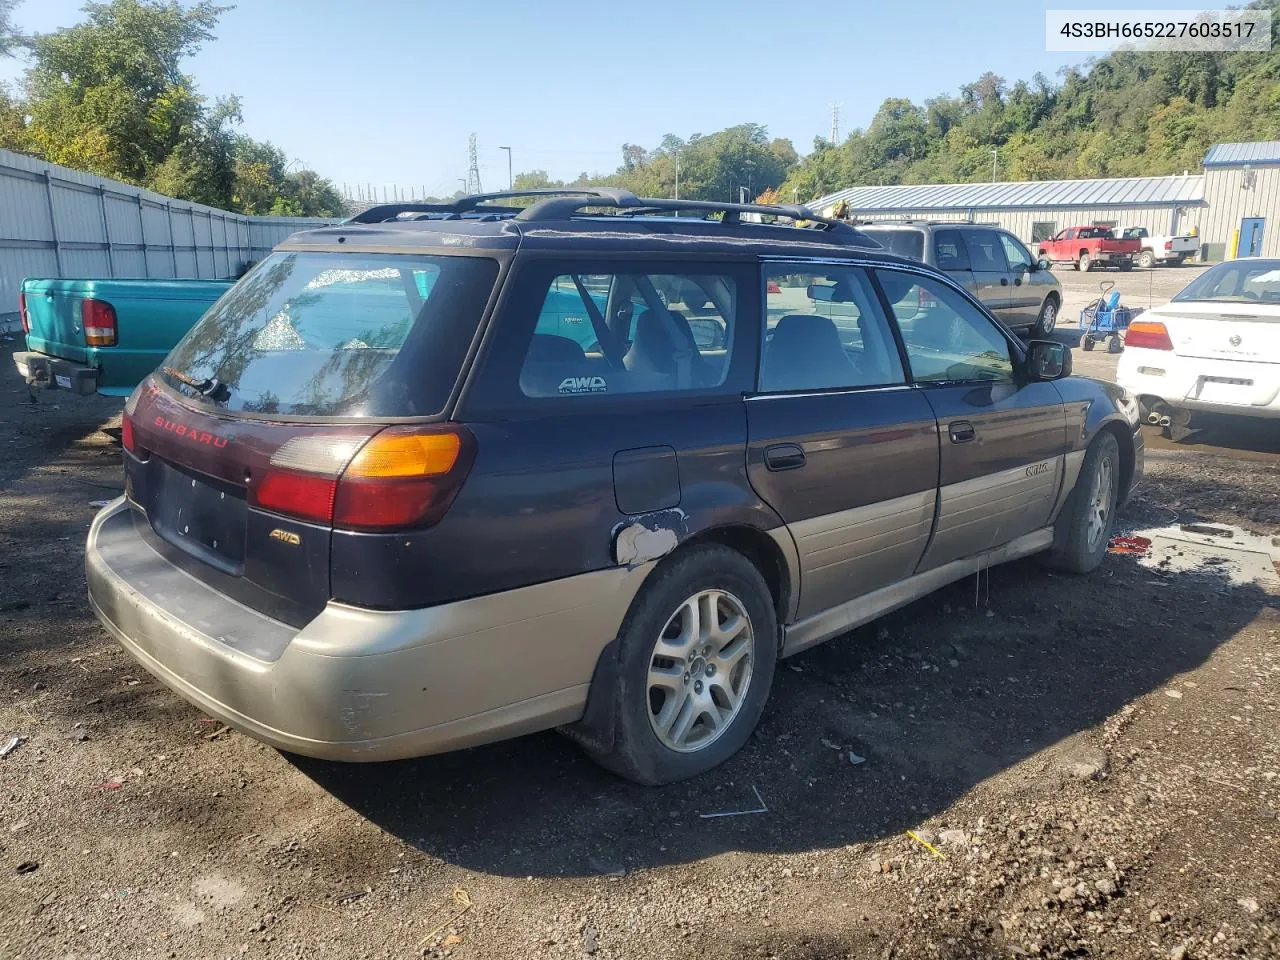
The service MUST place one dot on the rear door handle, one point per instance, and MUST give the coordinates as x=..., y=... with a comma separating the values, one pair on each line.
x=1017, y=281
x=1004, y=281
x=962, y=431
x=784, y=456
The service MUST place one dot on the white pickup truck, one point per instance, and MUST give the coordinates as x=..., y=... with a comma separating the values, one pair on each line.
x=1161, y=249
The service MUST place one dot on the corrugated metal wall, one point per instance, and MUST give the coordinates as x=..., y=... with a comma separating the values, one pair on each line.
x=59, y=222
x=1022, y=222
x=1230, y=202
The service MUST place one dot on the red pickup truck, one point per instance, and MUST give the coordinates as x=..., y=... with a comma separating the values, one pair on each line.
x=1089, y=247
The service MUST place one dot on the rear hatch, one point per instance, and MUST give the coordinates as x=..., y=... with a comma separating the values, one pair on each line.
x=280, y=418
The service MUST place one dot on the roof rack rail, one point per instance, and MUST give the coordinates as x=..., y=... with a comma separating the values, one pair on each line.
x=564, y=207
x=472, y=203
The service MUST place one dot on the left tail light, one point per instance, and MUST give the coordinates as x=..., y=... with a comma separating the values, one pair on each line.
x=22, y=313
x=99, y=321
x=1149, y=334
x=401, y=478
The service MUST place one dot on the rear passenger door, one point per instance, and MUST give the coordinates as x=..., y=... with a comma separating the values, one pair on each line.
x=1002, y=441
x=633, y=413
x=990, y=270
x=838, y=443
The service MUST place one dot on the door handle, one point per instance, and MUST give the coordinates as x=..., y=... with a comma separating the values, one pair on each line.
x=784, y=456
x=962, y=431
x=1017, y=281
x=1004, y=281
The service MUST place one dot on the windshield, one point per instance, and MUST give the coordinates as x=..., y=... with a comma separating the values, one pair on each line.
x=1236, y=281
x=335, y=335
x=905, y=243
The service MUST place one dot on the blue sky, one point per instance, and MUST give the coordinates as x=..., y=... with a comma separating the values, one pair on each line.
x=387, y=91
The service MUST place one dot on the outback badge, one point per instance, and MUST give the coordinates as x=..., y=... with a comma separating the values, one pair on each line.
x=285, y=536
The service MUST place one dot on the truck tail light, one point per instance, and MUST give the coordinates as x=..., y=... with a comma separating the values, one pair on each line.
x=400, y=478
x=1168, y=244
x=22, y=313
x=925, y=300
x=99, y=321
x=1148, y=334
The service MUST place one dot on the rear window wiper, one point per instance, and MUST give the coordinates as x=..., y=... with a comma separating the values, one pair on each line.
x=210, y=387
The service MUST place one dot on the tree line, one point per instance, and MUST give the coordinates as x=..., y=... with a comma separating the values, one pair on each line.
x=109, y=96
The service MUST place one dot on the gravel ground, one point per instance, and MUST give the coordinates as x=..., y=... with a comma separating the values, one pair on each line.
x=1095, y=761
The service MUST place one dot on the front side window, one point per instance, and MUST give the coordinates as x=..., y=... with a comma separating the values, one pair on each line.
x=985, y=252
x=335, y=335
x=824, y=330
x=630, y=331
x=1017, y=255
x=947, y=338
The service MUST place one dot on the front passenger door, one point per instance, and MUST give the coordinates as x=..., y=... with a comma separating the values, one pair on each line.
x=1024, y=293
x=1002, y=440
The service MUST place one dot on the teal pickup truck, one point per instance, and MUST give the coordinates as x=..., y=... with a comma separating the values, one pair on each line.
x=104, y=336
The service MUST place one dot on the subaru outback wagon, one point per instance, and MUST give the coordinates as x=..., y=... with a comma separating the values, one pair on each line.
x=991, y=263
x=419, y=484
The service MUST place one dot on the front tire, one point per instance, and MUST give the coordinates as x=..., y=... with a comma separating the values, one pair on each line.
x=1048, y=318
x=1083, y=529
x=697, y=653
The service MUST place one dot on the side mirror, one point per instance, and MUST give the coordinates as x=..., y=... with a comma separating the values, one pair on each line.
x=1048, y=360
x=1043, y=264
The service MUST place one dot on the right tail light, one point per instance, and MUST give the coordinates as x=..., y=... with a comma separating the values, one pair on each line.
x=1148, y=334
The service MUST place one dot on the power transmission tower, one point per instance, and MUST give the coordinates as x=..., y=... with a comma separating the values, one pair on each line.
x=835, y=123
x=473, y=173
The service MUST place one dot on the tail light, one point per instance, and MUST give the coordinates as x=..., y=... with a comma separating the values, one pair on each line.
x=925, y=299
x=22, y=313
x=1168, y=244
x=402, y=477
x=1148, y=334
x=99, y=321
x=126, y=422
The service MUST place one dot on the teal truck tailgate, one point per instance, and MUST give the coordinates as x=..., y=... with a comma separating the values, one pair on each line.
x=106, y=335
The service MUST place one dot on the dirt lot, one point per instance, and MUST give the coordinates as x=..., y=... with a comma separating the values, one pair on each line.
x=1096, y=762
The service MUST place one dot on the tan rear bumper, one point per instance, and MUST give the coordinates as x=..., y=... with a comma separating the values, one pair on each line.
x=356, y=684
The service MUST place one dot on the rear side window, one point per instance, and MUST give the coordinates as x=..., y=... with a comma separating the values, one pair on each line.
x=903, y=243
x=985, y=252
x=949, y=252
x=630, y=331
x=824, y=330
x=333, y=335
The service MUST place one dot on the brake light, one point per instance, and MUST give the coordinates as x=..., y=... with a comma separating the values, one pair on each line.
x=99, y=321
x=402, y=477
x=1148, y=334
x=1168, y=244
x=22, y=313
x=126, y=421
x=925, y=299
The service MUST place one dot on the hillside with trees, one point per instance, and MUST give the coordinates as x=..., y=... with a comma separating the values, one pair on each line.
x=108, y=96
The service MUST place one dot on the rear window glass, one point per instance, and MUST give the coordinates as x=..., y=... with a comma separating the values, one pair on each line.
x=904, y=243
x=334, y=335
x=1237, y=281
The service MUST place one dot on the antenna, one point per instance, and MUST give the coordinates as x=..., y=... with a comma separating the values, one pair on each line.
x=835, y=124
x=473, y=172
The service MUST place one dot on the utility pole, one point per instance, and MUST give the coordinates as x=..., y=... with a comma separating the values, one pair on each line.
x=473, y=172
x=835, y=124
x=511, y=183
x=995, y=155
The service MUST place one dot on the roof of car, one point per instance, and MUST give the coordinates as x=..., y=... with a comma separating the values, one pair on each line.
x=599, y=220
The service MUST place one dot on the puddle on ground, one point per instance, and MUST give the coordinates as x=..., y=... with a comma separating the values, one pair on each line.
x=1210, y=549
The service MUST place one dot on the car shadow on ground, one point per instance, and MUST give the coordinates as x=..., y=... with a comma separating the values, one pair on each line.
x=936, y=698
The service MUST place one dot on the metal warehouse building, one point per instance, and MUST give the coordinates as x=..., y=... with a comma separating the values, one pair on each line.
x=1228, y=203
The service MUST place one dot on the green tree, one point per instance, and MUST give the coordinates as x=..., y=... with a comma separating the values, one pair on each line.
x=9, y=39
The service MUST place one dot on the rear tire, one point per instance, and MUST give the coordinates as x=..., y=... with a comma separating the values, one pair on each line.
x=1114, y=344
x=689, y=689
x=1084, y=264
x=1146, y=260
x=1084, y=527
x=1086, y=343
x=1126, y=266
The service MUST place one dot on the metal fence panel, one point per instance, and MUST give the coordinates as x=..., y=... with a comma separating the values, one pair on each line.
x=59, y=222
